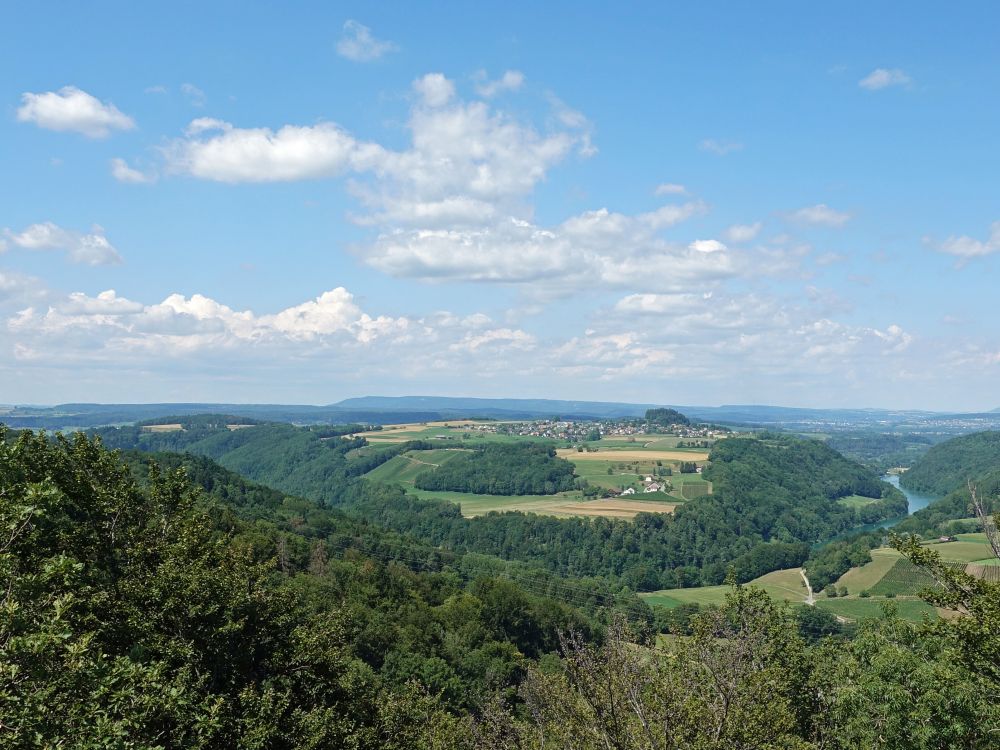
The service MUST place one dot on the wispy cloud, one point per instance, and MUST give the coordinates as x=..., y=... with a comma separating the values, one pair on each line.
x=511, y=80
x=669, y=188
x=358, y=44
x=720, y=148
x=820, y=215
x=122, y=172
x=194, y=95
x=882, y=78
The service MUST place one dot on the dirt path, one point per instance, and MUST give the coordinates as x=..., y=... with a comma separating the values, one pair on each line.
x=811, y=599
x=418, y=461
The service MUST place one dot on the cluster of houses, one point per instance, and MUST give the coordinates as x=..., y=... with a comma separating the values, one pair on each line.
x=649, y=484
x=583, y=431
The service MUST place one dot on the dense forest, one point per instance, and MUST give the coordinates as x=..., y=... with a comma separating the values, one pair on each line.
x=163, y=601
x=665, y=417
x=773, y=498
x=521, y=468
x=949, y=465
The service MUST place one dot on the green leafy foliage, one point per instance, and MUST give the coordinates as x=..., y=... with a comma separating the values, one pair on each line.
x=146, y=613
x=502, y=469
x=666, y=417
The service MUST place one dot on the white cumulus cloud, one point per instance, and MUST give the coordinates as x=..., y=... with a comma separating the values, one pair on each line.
x=216, y=150
x=434, y=89
x=75, y=110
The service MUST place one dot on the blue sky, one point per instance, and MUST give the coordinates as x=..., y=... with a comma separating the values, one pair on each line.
x=712, y=203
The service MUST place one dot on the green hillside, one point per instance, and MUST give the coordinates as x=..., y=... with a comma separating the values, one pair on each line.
x=949, y=465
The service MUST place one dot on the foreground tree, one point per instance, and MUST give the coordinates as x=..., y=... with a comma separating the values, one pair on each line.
x=128, y=621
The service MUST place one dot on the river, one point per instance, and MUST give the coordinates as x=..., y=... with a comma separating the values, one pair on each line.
x=915, y=499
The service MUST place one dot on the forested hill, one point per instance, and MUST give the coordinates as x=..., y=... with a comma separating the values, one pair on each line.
x=773, y=498
x=145, y=614
x=805, y=467
x=502, y=469
x=313, y=462
x=950, y=465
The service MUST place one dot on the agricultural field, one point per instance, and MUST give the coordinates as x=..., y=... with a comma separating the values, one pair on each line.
x=903, y=579
x=968, y=548
x=628, y=462
x=452, y=430
x=913, y=610
x=561, y=504
x=888, y=573
x=605, y=453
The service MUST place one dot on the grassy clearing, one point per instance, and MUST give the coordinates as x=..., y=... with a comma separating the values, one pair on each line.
x=787, y=582
x=860, y=579
x=781, y=585
x=857, y=501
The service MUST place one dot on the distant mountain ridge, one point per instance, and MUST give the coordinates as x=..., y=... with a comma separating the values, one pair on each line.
x=400, y=409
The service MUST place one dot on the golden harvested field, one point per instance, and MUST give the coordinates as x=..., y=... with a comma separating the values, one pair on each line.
x=632, y=455
x=162, y=428
x=612, y=508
